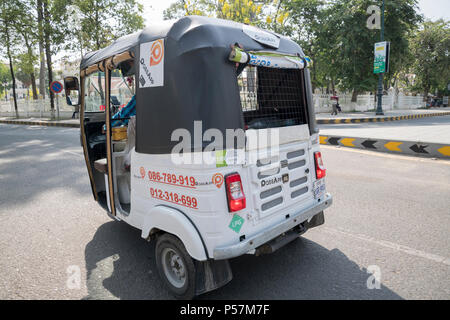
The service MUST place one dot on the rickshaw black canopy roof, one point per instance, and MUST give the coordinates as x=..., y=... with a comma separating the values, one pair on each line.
x=199, y=30
x=199, y=81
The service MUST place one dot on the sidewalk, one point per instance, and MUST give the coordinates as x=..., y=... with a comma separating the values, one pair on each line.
x=72, y=123
x=391, y=115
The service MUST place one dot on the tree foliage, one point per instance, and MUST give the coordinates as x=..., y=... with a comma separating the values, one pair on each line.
x=5, y=78
x=102, y=21
x=263, y=13
x=349, y=45
x=9, y=12
x=332, y=32
x=430, y=49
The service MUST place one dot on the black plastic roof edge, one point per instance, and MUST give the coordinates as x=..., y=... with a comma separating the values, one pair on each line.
x=178, y=29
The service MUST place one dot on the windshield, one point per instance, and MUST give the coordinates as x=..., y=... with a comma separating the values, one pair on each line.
x=94, y=99
x=122, y=90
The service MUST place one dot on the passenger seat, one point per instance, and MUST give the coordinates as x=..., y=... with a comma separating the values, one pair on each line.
x=101, y=165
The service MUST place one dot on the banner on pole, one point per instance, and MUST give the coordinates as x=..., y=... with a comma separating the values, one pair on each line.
x=381, y=62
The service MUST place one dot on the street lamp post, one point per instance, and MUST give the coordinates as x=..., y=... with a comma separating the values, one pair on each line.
x=380, y=76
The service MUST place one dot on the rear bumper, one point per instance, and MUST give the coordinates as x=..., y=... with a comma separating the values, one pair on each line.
x=270, y=233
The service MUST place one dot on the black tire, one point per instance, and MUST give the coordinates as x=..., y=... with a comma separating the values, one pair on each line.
x=167, y=244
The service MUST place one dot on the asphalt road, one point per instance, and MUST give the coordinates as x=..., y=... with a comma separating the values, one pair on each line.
x=390, y=214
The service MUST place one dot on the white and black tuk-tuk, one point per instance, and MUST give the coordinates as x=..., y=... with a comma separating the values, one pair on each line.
x=201, y=133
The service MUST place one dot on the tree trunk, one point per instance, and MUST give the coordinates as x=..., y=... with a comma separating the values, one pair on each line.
x=30, y=54
x=425, y=97
x=48, y=55
x=11, y=70
x=33, y=86
x=41, y=51
x=41, y=71
x=355, y=95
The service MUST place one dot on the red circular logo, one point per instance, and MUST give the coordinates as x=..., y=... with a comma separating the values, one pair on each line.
x=157, y=52
x=217, y=179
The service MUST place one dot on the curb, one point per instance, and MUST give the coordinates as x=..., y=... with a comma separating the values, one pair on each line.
x=42, y=123
x=319, y=121
x=422, y=149
x=381, y=119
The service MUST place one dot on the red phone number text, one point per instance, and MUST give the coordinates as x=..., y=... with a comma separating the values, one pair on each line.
x=173, y=179
x=187, y=201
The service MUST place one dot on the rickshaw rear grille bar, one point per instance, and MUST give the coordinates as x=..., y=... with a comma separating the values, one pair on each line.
x=272, y=97
x=297, y=187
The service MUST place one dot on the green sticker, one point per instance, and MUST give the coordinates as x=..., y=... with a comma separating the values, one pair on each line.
x=220, y=158
x=236, y=223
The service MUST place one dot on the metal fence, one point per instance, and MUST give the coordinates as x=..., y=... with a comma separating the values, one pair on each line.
x=41, y=108
x=322, y=102
x=29, y=108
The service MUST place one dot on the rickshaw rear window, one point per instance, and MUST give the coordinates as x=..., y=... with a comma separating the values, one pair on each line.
x=272, y=97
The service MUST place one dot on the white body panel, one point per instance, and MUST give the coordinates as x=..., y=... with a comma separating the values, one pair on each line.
x=205, y=222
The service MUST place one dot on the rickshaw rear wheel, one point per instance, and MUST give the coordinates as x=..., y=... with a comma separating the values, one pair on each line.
x=175, y=266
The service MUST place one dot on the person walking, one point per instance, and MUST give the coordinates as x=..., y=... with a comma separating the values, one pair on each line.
x=334, y=103
x=76, y=112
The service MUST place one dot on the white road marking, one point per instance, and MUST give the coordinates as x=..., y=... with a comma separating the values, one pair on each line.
x=71, y=152
x=391, y=245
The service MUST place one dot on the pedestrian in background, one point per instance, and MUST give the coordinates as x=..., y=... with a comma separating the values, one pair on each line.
x=76, y=111
x=334, y=103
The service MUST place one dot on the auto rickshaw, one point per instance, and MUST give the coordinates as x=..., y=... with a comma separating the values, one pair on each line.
x=152, y=104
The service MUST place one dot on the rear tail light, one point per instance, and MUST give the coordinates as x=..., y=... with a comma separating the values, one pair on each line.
x=235, y=192
x=320, y=168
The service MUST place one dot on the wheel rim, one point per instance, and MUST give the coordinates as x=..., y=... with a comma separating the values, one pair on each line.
x=174, y=267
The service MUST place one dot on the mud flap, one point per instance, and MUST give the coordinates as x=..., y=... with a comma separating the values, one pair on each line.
x=316, y=221
x=211, y=275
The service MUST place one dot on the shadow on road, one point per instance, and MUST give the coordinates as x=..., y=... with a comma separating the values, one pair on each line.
x=120, y=264
x=34, y=160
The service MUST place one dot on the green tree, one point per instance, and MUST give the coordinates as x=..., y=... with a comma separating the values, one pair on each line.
x=430, y=47
x=26, y=28
x=9, y=12
x=54, y=32
x=26, y=71
x=5, y=78
x=76, y=30
x=40, y=30
x=271, y=15
x=306, y=18
x=349, y=44
x=102, y=21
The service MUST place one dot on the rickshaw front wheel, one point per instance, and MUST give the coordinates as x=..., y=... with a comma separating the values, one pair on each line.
x=175, y=266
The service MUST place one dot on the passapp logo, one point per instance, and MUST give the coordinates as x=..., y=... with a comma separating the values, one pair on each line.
x=151, y=64
x=157, y=52
x=218, y=180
